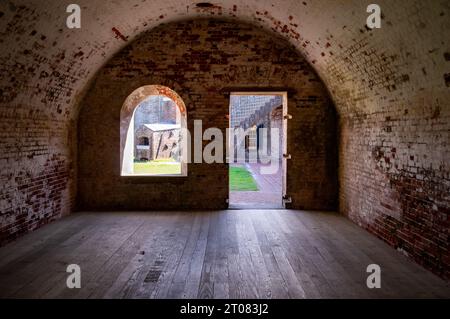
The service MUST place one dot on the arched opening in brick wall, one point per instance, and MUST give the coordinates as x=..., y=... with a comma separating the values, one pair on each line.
x=205, y=74
x=152, y=123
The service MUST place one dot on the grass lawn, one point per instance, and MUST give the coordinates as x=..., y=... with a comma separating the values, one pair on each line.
x=158, y=167
x=241, y=180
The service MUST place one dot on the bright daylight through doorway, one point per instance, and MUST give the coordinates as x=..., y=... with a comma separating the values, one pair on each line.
x=261, y=117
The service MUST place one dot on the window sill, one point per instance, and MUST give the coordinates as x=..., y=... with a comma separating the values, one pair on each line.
x=149, y=179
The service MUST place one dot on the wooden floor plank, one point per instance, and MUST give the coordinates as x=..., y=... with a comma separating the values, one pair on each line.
x=219, y=254
x=179, y=279
x=193, y=277
x=125, y=282
x=327, y=259
x=171, y=258
x=303, y=268
x=25, y=275
x=220, y=265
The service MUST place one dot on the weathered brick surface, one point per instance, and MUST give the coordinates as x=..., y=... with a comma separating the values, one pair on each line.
x=201, y=60
x=37, y=146
x=394, y=137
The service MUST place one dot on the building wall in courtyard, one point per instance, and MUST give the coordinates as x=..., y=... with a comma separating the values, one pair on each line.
x=162, y=144
x=242, y=106
x=156, y=110
x=276, y=122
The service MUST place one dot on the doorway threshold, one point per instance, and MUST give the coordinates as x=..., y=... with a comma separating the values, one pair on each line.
x=253, y=207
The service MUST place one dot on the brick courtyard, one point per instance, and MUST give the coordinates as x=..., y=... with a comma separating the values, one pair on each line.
x=269, y=194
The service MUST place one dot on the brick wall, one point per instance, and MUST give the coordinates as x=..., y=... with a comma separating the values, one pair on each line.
x=155, y=110
x=37, y=145
x=200, y=60
x=399, y=156
x=276, y=122
x=395, y=134
x=243, y=106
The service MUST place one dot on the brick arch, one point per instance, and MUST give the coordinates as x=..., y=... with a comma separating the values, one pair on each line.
x=207, y=67
x=126, y=118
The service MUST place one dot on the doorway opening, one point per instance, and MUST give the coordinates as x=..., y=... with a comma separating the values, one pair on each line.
x=257, y=169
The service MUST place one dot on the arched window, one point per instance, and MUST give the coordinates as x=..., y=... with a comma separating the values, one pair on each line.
x=153, y=139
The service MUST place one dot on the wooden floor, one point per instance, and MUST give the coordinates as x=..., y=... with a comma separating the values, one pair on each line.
x=226, y=254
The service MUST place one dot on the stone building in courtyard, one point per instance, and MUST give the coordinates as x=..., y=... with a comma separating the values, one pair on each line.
x=157, y=141
x=156, y=129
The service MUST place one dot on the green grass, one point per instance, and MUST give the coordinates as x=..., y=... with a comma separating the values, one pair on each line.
x=241, y=180
x=158, y=167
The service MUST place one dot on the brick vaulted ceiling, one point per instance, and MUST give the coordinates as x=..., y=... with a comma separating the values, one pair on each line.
x=361, y=68
x=389, y=85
